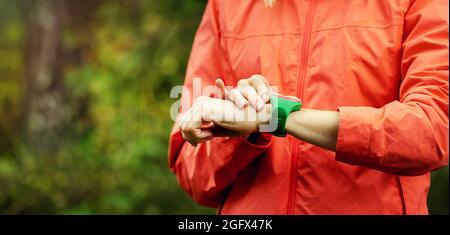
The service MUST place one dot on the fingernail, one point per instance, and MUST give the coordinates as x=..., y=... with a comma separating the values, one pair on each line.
x=260, y=105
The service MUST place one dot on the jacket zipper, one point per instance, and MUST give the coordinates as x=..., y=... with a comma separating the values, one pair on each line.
x=300, y=87
x=402, y=197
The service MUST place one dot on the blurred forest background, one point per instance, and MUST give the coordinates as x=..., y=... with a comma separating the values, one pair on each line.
x=84, y=106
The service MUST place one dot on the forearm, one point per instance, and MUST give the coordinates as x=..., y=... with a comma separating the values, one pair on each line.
x=314, y=126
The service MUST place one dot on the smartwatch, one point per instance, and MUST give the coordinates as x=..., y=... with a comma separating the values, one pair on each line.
x=282, y=106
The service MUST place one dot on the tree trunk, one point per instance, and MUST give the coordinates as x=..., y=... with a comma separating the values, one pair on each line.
x=43, y=101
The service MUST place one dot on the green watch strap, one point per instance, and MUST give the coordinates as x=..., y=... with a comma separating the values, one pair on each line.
x=281, y=108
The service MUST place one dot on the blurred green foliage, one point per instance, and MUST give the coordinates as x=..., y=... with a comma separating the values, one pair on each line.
x=112, y=158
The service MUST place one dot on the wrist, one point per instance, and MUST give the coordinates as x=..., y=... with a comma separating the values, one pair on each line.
x=283, y=107
x=292, y=120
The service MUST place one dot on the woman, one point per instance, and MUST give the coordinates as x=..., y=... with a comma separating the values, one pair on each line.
x=373, y=80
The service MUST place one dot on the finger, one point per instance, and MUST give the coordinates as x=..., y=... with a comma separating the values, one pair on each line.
x=186, y=136
x=236, y=97
x=182, y=125
x=202, y=135
x=223, y=90
x=261, y=86
x=267, y=114
x=194, y=131
x=268, y=108
x=196, y=136
x=253, y=98
x=186, y=127
x=193, y=143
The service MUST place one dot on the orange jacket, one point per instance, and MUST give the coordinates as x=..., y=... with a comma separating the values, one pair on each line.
x=382, y=64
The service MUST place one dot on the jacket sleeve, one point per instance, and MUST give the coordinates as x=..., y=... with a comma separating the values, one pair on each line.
x=409, y=136
x=205, y=171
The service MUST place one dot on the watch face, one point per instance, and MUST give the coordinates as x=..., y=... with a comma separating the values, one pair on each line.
x=286, y=97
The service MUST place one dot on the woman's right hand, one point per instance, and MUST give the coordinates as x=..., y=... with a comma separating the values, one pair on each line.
x=255, y=91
